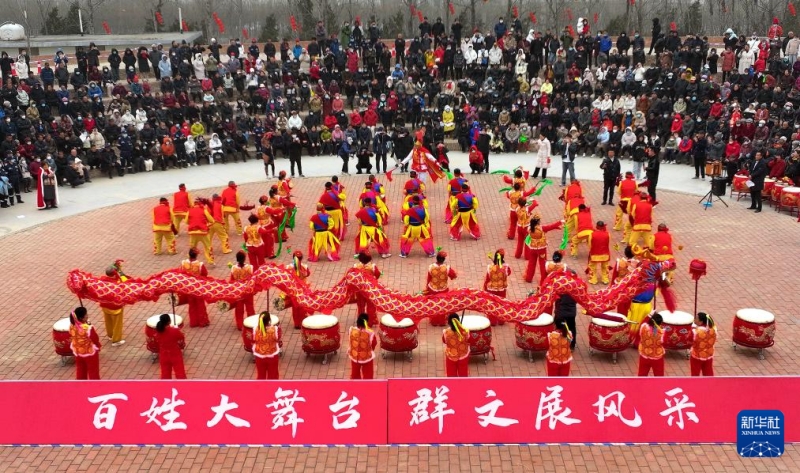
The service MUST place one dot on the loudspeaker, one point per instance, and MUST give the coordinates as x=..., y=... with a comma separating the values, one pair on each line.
x=719, y=186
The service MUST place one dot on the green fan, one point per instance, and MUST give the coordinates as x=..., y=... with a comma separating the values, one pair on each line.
x=501, y=171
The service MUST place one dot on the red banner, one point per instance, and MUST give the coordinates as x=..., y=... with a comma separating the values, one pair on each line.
x=583, y=410
x=193, y=412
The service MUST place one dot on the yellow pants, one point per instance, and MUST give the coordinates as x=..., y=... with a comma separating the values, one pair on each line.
x=179, y=218
x=217, y=230
x=577, y=239
x=593, y=267
x=113, y=319
x=159, y=237
x=197, y=238
x=620, y=216
x=337, y=218
x=641, y=234
x=236, y=221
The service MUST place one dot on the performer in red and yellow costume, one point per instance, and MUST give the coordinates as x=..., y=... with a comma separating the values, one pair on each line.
x=417, y=229
x=363, y=304
x=282, y=208
x=266, y=348
x=163, y=227
x=241, y=272
x=453, y=189
x=423, y=162
x=496, y=279
x=705, y=337
x=112, y=313
x=230, y=206
x=218, y=228
x=302, y=272
x=662, y=248
x=436, y=282
x=465, y=208
x=285, y=186
x=651, y=347
x=376, y=198
x=536, y=247
x=520, y=177
x=515, y=196
x=642, y=215
x=267, y=229
x=556, y=264
x=253, y=242
x=323, y=239
x=626, y=189
x=641, y=304
x=332, y=202
x=524, y=212
x=380, y=191
x=371, y=230
x=599, y=253
x=582, y=224
x=559, y=355
x=415, y=185
x=181, y=202
x=200, y=220
x=456, y=348
x=362, y=345
x=85, y=345
x=198, y=315
x=338, y=187
x=622, y=267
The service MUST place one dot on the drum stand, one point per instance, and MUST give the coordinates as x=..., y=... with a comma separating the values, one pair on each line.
x=592, y=351
x=408, y=354
x=761, y=355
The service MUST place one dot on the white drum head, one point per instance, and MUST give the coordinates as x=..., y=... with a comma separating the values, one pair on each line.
x=766, y=179
x=792, y=190
x=153, y=321
x=320, y=321
x=62, y=325
x=390, y=321
x=541, y=321
x=608, y=323
x=756, y=316
x=475, y=322
x=677, y=318
x=251, y=321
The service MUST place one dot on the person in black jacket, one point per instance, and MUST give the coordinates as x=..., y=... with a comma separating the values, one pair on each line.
x=656, y=33
x=651, y=172
x=699, y=154
x=484, y=138
x=611, y=171
x=758, y=171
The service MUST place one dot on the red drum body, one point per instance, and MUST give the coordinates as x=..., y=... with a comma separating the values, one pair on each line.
x=790, y=198
x=739, y=185
x=776, y=191
x=678, y=334
x=62, y=337
x=480, y=334
x=398, y=336
x=249, y=324
x=754, y=328
x=150, y=330
x=769, y=184
x=320, y=335
x=531, y=335
x=609, y=336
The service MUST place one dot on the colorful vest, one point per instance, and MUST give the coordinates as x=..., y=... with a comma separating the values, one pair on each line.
x=650, y=345
x=523, y=217
x=229, y=198
x=439, y=276
x=253, y=237
x=600, y=243
x=583, y=221
x=466, y=201
x=643, y=215
x=161, y=215
x=82, y=344
x=538, y=239
x=498, y=278
x=513, y=198
x=416, y=216
x=703, y=344
x=197, y=220
x=360, y=345
x=192, y=267
x=320, y=222
x=552, y=266
x=662, y=243
x=558, y=351
x=240, y=274
x=265, y=343
x=284, y=188
x=180, y=202
x=627, y=189
x=455, y=348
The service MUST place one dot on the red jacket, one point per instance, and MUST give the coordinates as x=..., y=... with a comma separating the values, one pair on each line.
x=170, y=341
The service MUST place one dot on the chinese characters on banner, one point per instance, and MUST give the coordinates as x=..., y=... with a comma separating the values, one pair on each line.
x=395, y=411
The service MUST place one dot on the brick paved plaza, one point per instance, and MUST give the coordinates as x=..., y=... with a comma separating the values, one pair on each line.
x=751, y=258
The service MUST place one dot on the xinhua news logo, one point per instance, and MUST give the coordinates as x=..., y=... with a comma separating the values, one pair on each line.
x=760, y=433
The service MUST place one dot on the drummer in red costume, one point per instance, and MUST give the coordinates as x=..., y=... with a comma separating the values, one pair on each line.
x=662, y=248
x=702, y=355
x=266, y=348
x=496, y=279
x=253, y=242
x=642, y=214
x=524, y=212
x=371, y=231
x=583, y=224
x=198, y=315
x=515, y=195
x=323, y=237
x=112, y=313
x=622, y=267
x=453, y=189
x=456, y=348
x=230, y=206
x=651, y=347
x=626, y=189
x=465, y=208
x=171, y=343
x=163, y=227
x=241, y=272
x=332, y=202
x=417, y=229
x=200, y=220
x=85, y=345
x=559, y=355
x=536, y=247
x=181, y=202
x=338, y=187
x=362, y=345
x=423, y=162
x=218, y=228
x=363, y=304
x=436, y=282
x=599, y=253
x=302, y=272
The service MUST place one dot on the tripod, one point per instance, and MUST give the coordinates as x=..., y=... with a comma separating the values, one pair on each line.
x=707, y=199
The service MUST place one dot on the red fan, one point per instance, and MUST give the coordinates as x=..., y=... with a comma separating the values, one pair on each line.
x=515, y=11
x=159, y=18
x=532, y=17
x=106, y=27
x=452, y=8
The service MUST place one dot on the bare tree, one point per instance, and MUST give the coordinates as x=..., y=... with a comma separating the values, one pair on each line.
x=44, y=6
x=91, y=5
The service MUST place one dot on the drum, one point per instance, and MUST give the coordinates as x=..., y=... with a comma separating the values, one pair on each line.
x=769, y=184
x=775, y=192
x=150, y=330
x=398, y=336
x=62, y=338
x=678, y=333
x=739, y=186
x=754, y=328
x=790, y=197
x=249, y=324
x=714, y=168
x=480, y=335
x=608, y=336
x=320, y=335
x=531, y=335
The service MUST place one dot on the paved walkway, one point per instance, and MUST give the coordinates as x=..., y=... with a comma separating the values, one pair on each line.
x=103, y=192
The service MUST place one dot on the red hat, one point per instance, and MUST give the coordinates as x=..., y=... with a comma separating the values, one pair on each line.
x=441, y=254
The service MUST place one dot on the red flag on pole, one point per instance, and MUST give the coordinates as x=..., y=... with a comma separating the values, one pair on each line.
x=452, y=8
